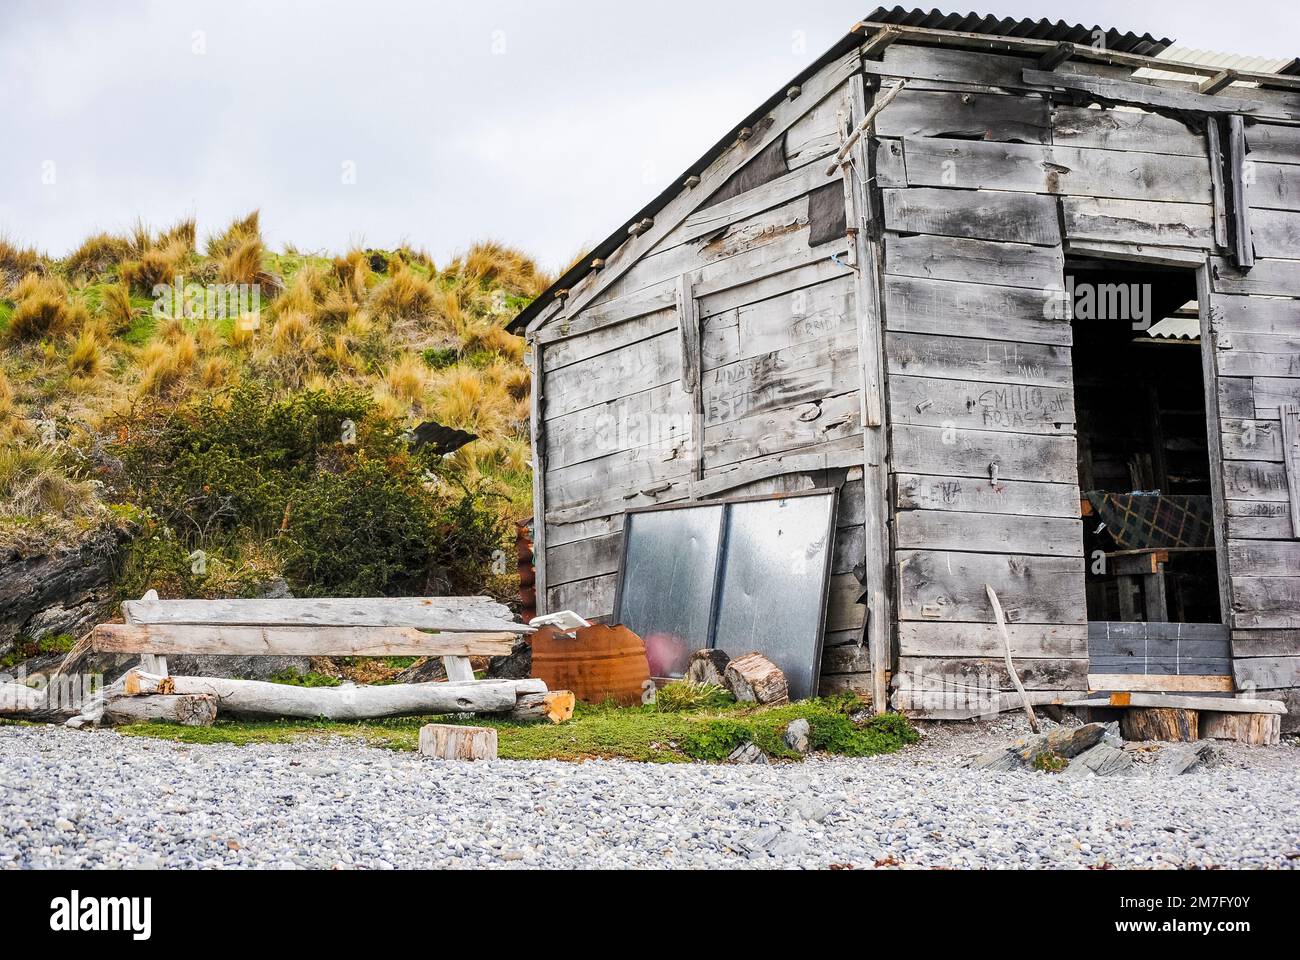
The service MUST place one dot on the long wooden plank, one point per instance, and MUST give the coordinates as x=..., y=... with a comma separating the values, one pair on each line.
x=977, y=261
x=1123, y=130
x=963, y=358
x=988, y=533
x=1254, y=480
x=1139, y=221
x=971, y=453
x=619, y=373
x=965, y=116
x=1266, y=602
x=1263, y=558
x=1273, y=393
x=785, y=429
x=775, y=323
x=984, y=310
x=220, y=639
x=800, y=374
x=963, y=494
x=1154, y=683
x=450, y=614
x=1273, y=142
x=1267, y=673
x=1033, y=641
x=1057, y=170
x=960, y=405
x=1150, y=95
x=949, y=586
x=991, y=674
x=1146, y=700
x=1274, y=186
x=1276, y=233
x=973, y=214
x=1279, y=278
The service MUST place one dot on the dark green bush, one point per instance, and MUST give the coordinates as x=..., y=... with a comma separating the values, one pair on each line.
x=365, y=517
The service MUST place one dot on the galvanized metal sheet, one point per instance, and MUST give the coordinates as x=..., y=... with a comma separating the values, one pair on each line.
x=743, y=576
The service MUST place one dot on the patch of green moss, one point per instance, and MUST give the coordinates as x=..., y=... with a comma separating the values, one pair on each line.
x=293, y=678
x=1050, y=761
x=633, y=733
x=25, y=648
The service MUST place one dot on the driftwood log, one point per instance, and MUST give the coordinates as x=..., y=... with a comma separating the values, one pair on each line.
x=15, y=698
x=555, y=706
x=254, y=698
x=190, y=710
x=707, y=667
x=1160, y=723
x=755, y=679
x=446, y=742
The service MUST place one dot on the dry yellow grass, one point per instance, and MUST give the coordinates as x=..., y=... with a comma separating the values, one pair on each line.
x=353, y=273
x=98, y=254
x=33, y=485
x=183, y=232
x=157, y=265
x=408, y=377
x=215, y=373
x=86, y=359
x=17, y=262
x=7, y=396
x=490, y=337
x=496, y=263
x=165, y=364
x=41, y=309
x=243, y=263
x=115, y=307
x=243, y=228
x=405, y=295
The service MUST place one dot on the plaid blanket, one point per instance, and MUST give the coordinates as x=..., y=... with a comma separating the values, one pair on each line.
x=1151, y=521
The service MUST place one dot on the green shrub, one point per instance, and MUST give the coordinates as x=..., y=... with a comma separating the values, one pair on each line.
x=684, y=696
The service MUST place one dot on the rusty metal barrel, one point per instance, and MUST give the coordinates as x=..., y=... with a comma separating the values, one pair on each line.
x=599, y=664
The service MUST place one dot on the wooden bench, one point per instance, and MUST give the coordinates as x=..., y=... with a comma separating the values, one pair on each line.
x=453, y=628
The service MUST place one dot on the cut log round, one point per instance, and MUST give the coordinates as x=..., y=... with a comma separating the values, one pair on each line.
x=191, y=711
x=556, y=706
x=1256, y=729
x=444, y=742
x=1160, y=723
x=254, y=698
x=755, y=679
x=708, y=666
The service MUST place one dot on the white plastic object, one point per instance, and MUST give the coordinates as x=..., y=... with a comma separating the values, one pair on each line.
x=565, y=620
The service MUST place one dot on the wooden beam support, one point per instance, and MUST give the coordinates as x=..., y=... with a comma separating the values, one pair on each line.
x=1290, y=414
x=1214, y=150
x=1220, y=81
x=1243, y=240
x=869, y=295
x=876, y=44
x=1148, y=94
x=1056, y=56
x=692, y=363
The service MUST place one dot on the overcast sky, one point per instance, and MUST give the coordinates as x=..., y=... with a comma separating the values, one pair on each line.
x=544, y=125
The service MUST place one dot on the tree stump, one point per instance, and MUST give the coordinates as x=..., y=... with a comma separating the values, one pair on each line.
x=1160, y=723
x=755, y=679
x=1255, y=729
x=444, y=742
x=707, y=667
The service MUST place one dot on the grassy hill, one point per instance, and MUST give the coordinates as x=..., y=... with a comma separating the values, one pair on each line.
x=241, y=447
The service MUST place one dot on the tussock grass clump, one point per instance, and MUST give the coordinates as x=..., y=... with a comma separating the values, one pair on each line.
x=183, y=233
x=243, y=263
x=408, y=377
x=34, y=484
x=405, y=295
x=165, y=363
x=222, y=244
x=489, y=262
x=17, y=262
x=157, y=265
x=8, y=397
x=98, y=254
x=41, y=309
x=116, y=309
x=86, y=359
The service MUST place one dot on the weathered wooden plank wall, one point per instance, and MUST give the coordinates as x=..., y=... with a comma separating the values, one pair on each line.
x=778, y=396
x=1255, y=320
x=984, y=177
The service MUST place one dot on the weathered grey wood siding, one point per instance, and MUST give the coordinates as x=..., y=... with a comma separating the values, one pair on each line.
x=986, y=176
x=777, y=407
x=990, y=185
x=1256, y=327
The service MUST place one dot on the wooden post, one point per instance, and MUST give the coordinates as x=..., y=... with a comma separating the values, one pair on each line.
x=1290, y=414
x=537, y=433
x=688, y=325
x=1243, y=242
x=1214, y=436
x=864, y=233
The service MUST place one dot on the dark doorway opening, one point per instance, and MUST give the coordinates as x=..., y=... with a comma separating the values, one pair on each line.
x=1144, y=463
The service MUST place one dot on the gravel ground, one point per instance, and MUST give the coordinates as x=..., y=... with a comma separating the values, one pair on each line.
x=97, y=799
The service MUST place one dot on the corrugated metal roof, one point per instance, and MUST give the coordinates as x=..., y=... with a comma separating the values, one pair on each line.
x=1219, y=61
x=1177, y=327
x=1059, y=31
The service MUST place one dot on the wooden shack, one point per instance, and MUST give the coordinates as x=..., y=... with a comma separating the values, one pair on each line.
x=933, y=271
